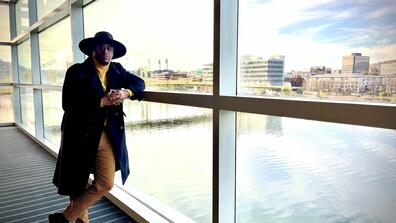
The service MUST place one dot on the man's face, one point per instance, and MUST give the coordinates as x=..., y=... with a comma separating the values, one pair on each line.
x=103, y=53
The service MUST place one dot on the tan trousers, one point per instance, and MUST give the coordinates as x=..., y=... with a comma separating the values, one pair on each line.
x=102, y=183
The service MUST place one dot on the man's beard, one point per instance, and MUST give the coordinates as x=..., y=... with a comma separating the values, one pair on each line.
x=102, y=60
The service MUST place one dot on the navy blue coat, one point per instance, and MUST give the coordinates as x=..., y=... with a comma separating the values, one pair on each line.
x=83, y=123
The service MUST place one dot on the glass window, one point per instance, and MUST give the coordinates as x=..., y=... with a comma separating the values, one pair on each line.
x=22, y=16
x=4, y=23
x=326, y=173
x=44, y=7
x=27, y=109
x=24, y=62
x=169, y=45
x=55, y=52
x=171, y=146
x=318, y=49
x=5, y=64
x=53, y=113
x=6, y=108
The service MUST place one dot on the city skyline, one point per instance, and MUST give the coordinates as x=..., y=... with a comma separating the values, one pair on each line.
x=318, y=31
x=308, y=33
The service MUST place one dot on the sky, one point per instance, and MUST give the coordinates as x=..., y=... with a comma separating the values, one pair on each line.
x=318, y=32
x=307, y=32
x=178, y=30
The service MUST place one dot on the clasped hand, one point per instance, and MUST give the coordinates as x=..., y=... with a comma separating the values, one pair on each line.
x=115, y=97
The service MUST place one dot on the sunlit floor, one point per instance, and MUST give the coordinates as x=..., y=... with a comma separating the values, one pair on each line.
x=26, y=191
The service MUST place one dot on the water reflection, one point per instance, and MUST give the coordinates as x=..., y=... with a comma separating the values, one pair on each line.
x=170, y=149
x=288, y=170
x=268, y=124
x=316, y=172
x=6, y=111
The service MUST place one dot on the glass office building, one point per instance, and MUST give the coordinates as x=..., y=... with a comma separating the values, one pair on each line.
x=205, y=145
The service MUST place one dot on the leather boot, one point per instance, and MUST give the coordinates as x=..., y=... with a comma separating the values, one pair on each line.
x=57, y=218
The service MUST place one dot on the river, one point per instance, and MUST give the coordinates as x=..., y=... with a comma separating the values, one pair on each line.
x=288, y=170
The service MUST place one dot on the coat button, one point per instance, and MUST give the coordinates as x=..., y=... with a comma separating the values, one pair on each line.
x=122, y=127
x=116, y=114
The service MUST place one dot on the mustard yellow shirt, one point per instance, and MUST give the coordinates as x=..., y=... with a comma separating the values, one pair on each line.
x=102, y=71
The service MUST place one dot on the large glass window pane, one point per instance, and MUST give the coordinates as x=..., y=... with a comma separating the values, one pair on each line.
x=6, y=108
x=52, y=112
x=24, y=63
x=169, y=43
x=318, y=49
x=22, y=16
x=55, y=52
x=5, y=64
x=44, y=7
x=170, y=153
x=27, y=109
x=294, y=170
x=4, y=23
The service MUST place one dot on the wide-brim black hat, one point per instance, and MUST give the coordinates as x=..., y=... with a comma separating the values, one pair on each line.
x=88, y=45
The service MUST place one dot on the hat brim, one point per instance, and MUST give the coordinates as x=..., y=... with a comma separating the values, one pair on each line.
x=88, y=45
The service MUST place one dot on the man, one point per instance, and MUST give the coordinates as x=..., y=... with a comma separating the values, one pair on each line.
x=93, y=135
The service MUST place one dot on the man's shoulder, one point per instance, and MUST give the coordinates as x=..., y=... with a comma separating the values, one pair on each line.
x=117, y=67
x=116, y=64
x=77, y=70
x=76, y=66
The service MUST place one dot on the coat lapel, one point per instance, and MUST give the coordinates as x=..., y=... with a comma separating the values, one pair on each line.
x=94, y=77
x=112, y=80
x=97, y=86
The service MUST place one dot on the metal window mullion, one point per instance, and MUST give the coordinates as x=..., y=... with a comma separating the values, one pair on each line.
x=224, y=121
x=356, y=113
x=215, y=119
x=14, y=62
x=227, y=166
x=77, y=29
x=228, y=48
x=32, y=4
x=15, y=79
x=35, y=63
x=37, y=93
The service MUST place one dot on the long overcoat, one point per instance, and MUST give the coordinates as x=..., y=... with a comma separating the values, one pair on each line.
x=83, y=123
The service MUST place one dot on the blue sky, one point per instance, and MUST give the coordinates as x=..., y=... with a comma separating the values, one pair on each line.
x=318, y=32
x=307, y=32
x=355, y=23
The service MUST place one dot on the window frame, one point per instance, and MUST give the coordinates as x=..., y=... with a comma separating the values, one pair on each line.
x=224, y=102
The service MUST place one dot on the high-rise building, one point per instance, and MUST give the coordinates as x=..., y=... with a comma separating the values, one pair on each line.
x=355, y=64
x=207, y=72
x=264, y=71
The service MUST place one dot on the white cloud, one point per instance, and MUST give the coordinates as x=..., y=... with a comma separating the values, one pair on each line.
x=312, y=30
x=182, y=32
x=378, y=54
x=281, y=13
x=381, y=12
x=259, y=35
x=343, y=14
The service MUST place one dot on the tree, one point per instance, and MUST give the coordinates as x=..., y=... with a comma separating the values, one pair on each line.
x=297, y=81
